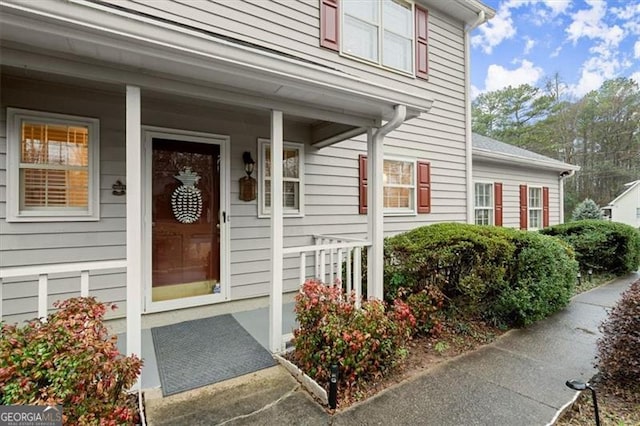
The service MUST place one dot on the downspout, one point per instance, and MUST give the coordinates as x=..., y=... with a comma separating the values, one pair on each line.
x=375, y=217
x=562, y=177
x=467, y=93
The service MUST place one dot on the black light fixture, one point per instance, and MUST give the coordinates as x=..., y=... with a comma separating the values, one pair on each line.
x=580, y=386
x=579, y=278
x=590, y=272
x=249, y=164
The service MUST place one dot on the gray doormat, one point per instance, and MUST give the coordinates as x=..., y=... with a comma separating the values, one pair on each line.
x=196, y=353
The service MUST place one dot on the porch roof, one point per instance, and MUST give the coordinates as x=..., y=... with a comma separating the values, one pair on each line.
x=101, y=42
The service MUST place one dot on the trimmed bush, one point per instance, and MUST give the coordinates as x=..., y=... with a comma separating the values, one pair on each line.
x=500, y=274
x=365, y=343
x=600, y=245
x=541, y=282
x=618, y=356
x=71, y=361
x=587, y=209
x=426, y=306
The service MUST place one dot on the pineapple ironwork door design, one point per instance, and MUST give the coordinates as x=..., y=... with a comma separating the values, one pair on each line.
x=185, y=214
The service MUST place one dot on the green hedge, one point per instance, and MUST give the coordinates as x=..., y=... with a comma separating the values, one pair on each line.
x=601, y=245
x=501, y=274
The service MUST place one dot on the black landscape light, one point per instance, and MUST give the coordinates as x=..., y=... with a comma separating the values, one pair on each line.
x=580, y=386
x=579, y=280
x=590, y=272
x=333, y=387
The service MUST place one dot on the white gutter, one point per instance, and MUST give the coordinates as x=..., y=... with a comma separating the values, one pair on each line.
x=467, y=93
x=375, y=216
x=561, y=178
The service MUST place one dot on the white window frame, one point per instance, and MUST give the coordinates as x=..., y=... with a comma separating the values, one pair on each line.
x=380, y=40
x=264, y=211
x=15, y=117
x=395, y=211
x=492, y=202
x=530, y=209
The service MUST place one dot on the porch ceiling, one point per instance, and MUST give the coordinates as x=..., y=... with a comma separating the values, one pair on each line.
x=114, y=47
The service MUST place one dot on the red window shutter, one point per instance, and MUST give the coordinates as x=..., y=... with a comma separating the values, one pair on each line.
x=424, y=187
x=363, y=184
x=422, y=42
x=524, y=211
x=545, y=206
x=329, y=23
x=497, y=200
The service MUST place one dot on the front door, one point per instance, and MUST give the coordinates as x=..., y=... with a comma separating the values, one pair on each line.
x=187, y=216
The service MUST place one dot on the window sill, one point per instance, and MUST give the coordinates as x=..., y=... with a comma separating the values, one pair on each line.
x=35, y=218
x=377, y=65
x=400, y=214
x=285, y=215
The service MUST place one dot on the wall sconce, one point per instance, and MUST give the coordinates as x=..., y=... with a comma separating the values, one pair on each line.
x=249, y=164
x=119, y=188
x=248, y=185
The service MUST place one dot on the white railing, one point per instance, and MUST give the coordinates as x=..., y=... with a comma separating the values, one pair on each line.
x=329, y=253
x=336, y=250
x=43, y=271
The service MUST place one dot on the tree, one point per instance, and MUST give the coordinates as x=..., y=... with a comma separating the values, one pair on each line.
x=587, y=209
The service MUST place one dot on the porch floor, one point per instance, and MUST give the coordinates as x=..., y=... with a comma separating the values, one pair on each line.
x=255, y=322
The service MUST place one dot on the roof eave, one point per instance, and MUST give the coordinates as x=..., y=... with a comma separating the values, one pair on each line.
x=530, y=162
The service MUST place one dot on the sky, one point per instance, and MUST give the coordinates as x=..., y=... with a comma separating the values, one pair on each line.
x=528, y=41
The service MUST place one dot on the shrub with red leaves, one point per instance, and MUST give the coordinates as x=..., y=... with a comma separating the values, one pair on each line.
x=69, y=360
x=618, y=356
x=365, y=343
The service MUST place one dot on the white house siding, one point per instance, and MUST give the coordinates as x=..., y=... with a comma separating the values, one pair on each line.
x=331, y=181
x=514, y=176
x=625, y=209
x=26, y=244
x=292, y=27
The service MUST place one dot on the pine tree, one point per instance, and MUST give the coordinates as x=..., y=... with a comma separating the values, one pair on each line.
x=588, y=209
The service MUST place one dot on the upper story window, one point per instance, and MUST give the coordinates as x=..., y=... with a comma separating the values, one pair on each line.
x=53, y=167
x=483, y=196
x=292, y=178
x=399, y=186
x=379, y=31
x=535, y=208
x=388, y=33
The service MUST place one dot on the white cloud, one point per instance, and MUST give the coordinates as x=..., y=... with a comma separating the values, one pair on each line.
x=635, y=76
x=557, y=6
x=499, y=77
x=556, y=52
x=636, y=50
x=630, y=11
x=494, y=32
x=589, y=81
x=528, y=45
x=474, y=92
x=588, y=22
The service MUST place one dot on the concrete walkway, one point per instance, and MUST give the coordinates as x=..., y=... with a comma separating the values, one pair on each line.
x=517, y=380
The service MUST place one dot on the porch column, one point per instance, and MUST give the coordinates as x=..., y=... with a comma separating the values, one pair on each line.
x=134, y=223
x=275, y=297
x=375, y=217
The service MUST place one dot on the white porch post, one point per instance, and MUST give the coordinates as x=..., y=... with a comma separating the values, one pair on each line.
x=375, y=217
x=134, y=223
x=275, y=299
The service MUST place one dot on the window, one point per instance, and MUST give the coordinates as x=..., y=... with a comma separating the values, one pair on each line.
x=53, y=172
x=483, y=196
x=379, y=31
x=535, y=208
x=399, y=186
x=292, y=177
x=406, y=186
